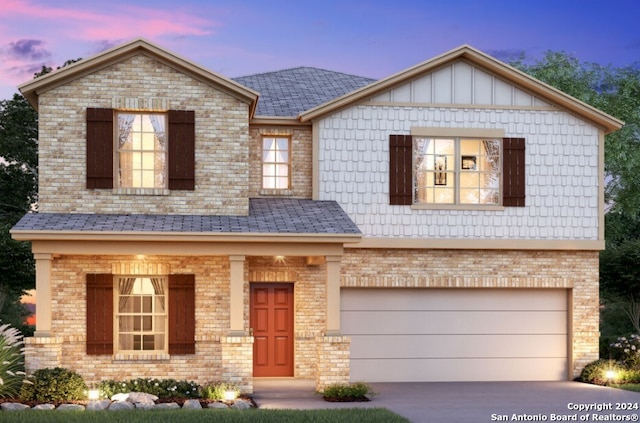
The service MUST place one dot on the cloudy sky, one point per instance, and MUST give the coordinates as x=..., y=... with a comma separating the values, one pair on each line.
x=364, y=37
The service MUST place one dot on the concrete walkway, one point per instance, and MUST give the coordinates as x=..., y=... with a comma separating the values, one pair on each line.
x=472, y=402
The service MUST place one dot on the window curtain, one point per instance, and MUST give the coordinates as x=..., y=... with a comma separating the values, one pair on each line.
x=125, y=160
x=491, y=177
x=125, y=323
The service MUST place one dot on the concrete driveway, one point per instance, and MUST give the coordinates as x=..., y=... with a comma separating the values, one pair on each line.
x=472, y=402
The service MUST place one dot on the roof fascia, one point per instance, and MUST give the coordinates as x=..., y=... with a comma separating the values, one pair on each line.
x=549, y=93
x=32, y=89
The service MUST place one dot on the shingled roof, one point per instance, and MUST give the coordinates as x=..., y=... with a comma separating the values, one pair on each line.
x=266, y=216
x=288, y=92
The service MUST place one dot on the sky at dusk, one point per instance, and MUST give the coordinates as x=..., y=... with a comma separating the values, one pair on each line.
x=367, y=38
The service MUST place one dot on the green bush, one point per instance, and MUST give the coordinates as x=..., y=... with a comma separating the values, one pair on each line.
x=347, y=390
x=54, y=385
x=217, y=390
x=12, y=373
x=162, y=388
x=596, y=371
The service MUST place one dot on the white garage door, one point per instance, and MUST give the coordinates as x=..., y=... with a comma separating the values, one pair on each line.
x=414, y=335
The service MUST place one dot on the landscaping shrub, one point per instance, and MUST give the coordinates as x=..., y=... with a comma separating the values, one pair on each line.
x=12, y=373
x=217, y=390
x=347, y=391
x=627, y=350
x=54, y=385
x=596, y=371
x=162, y=388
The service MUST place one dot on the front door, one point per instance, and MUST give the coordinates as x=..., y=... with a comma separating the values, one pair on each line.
x=272, y=323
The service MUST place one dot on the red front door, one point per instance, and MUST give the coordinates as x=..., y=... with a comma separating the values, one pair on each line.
x=272, y=323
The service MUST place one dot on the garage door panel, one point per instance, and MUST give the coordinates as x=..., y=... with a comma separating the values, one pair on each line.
x=453, y=322
x=435, y=334
x=370, y=299
x=458, y=370
x=458, y=346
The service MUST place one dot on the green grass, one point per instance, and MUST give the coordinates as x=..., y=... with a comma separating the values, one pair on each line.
x=373, y=415
x=635, y=387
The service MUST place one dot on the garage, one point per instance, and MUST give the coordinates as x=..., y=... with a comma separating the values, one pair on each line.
x=429, y=335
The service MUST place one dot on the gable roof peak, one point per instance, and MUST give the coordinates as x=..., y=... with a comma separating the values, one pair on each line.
x=32, y=89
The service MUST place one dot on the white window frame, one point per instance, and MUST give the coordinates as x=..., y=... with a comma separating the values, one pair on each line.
x=154, y=314
x=275, y=163
x=162, y=173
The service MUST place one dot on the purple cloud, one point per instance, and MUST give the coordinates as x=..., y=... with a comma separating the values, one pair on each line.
x=28, y=50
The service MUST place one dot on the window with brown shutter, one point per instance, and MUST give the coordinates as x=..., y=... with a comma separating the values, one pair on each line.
x=99, y=148
x=181, y=150
x=513, y=182
x=99, y=314
x=182, y=317
x=400, y=170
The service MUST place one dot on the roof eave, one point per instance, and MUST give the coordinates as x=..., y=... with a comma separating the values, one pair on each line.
x=138, y=236
x=32, y=89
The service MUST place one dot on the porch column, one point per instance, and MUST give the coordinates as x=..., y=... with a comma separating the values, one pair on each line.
x=43, y=294
x=236, y=296
x=333, y=295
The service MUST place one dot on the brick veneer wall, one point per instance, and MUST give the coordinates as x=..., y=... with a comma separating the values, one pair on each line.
x=576, y=271
x=301, y=161
x=218, y=356
x=143, y=84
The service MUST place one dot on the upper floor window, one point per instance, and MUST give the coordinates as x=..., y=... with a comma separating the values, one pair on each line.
x=141, y=150
x=275, y=163
x=448, y=171
x=456, y=171
x=141, y=317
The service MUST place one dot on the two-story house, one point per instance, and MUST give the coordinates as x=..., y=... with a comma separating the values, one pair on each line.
x=441, y=224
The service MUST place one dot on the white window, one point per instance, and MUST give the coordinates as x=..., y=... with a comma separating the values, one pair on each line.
x=275, y=163
x=456, y=171
x=141, y=153
x=141, y=314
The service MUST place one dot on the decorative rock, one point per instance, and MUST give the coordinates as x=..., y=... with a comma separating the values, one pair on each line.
x=120, y=397
x=216, y=404
x=70, y=407
x=144, y=405
x=167, y=406
x=100, y=405
x=121, y=405
x=141, y=397
x=13, y=406
x=44, y=407
x=192, y=404
x=241, y=404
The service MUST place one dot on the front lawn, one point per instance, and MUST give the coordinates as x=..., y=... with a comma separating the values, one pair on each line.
x=635, y=387
x=345, y=415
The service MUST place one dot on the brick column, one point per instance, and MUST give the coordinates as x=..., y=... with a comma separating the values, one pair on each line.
x=237, y=361
x=332, y=360
x=42, y=352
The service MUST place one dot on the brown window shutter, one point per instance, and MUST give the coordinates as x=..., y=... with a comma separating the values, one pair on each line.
x=99, y=314
x=99, y=148
x=182, y=140
x=513, y=183
x=400, y=170
x=182, y=314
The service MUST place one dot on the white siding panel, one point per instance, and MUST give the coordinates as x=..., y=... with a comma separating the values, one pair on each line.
x=522, y=98
x=463, y=83
x=422, y=89
x=561, y=173
x=482, y=87
x=503, y=93
x=402, y=94
x=454, y=335
x=442, y=85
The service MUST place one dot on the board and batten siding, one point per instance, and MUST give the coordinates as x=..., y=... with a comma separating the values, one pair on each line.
x=561, y=173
